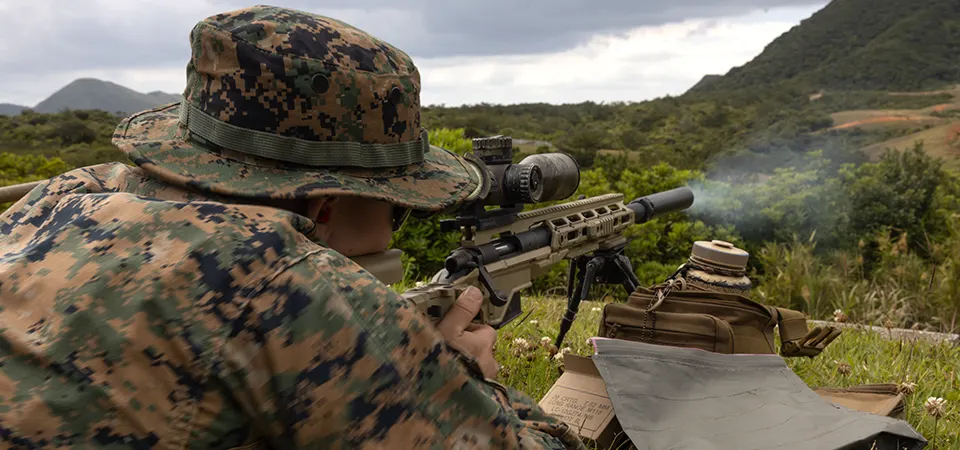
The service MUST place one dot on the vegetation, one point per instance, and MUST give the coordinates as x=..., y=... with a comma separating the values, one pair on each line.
x=79, y=137
x=859, y=44
x=733, y=133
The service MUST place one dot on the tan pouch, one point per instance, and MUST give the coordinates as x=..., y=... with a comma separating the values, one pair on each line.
x=752, y=323
x=883, y=399
x=692, y=330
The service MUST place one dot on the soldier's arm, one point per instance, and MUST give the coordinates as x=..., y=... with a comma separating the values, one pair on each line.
x=329, y=357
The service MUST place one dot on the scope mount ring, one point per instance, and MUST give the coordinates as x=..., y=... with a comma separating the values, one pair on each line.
x=485, y=183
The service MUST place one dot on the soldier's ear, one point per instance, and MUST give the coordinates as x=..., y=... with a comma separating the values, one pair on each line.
x=319, y=209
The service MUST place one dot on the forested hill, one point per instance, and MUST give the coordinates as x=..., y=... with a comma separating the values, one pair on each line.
x=860, y=44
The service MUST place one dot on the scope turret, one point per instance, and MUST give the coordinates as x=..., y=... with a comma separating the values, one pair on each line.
x=494, y=150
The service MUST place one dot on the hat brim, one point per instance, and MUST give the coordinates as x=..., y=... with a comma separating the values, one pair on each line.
x=154, y=141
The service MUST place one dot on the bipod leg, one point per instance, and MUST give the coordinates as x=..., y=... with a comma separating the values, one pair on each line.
x=630, y=281
x=587, y=276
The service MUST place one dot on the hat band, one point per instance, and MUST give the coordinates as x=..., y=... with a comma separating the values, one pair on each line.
x=299, y=151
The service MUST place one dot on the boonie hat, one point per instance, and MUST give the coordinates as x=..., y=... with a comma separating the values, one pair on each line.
x=285, y=104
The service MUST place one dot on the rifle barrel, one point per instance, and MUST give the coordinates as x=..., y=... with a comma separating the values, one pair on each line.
x=659, y=203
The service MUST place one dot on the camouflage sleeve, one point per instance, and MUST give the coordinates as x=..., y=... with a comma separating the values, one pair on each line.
x=536, y=418
x=330, y=357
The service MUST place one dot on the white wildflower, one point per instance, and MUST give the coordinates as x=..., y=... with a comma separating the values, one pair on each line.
x=839, y=316
x=936, y=406
x=907, y=387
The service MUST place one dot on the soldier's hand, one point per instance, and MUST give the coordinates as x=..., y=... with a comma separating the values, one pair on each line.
x=468, y=338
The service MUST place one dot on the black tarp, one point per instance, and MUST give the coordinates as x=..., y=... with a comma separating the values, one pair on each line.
x=679, y=398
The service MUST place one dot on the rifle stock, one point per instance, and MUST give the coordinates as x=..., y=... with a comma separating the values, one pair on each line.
x=386, y=266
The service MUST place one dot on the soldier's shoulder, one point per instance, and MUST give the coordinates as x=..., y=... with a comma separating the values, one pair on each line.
x=110, y=240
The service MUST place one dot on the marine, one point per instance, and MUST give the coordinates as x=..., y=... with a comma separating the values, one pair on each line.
x=204, y=297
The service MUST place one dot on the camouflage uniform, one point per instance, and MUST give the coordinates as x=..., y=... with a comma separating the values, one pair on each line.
x=161, y=306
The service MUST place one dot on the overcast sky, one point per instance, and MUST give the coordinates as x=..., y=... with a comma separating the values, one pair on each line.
x=554, y=51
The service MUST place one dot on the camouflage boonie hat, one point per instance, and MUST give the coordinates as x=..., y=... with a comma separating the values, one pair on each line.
x=286, y=104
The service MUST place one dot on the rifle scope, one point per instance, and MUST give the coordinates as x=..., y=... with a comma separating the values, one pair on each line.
x=537, y=178
x=644, y=209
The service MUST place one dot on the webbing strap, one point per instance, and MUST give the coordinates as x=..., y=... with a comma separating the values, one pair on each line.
x=299, y=151
x=792, y=324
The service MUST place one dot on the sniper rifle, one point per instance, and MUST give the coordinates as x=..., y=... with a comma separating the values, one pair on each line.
x=502, y=250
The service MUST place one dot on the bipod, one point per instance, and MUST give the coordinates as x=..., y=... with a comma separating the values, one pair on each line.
x=609, y=266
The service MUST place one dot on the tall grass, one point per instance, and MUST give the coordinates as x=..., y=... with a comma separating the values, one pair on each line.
x=901, y=289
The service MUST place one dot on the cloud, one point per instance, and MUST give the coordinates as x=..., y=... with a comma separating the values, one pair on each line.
x=640, y=64
x=440, y=28
x=556, y=49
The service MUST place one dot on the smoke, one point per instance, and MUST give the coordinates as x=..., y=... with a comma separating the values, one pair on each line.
x=709, y=197
x=775, y=195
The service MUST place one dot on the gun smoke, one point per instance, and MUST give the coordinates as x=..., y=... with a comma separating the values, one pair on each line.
x=800, y=197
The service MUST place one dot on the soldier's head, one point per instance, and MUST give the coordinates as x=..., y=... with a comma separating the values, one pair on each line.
x=286, y=106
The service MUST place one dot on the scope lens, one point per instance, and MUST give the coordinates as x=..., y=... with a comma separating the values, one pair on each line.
x=559, y=175
x=520, y=183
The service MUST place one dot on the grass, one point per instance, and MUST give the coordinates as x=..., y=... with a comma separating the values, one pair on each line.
x=939, y=141
x=939, y=126
x=934, y=368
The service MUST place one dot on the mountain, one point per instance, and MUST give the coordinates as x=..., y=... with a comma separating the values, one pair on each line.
x=706, y=80
x=89, y=93
x=9, y=109
x=892, y=45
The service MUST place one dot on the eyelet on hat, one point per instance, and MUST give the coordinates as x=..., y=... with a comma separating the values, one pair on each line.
x=320, y=83
x=395, y=96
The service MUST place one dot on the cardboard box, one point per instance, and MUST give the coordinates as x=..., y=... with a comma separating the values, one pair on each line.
x=580, y=399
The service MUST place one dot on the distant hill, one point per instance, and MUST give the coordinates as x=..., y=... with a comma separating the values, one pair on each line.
x=706, y=80
x=90, y=93
x=897, y=45
x=9, y=109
